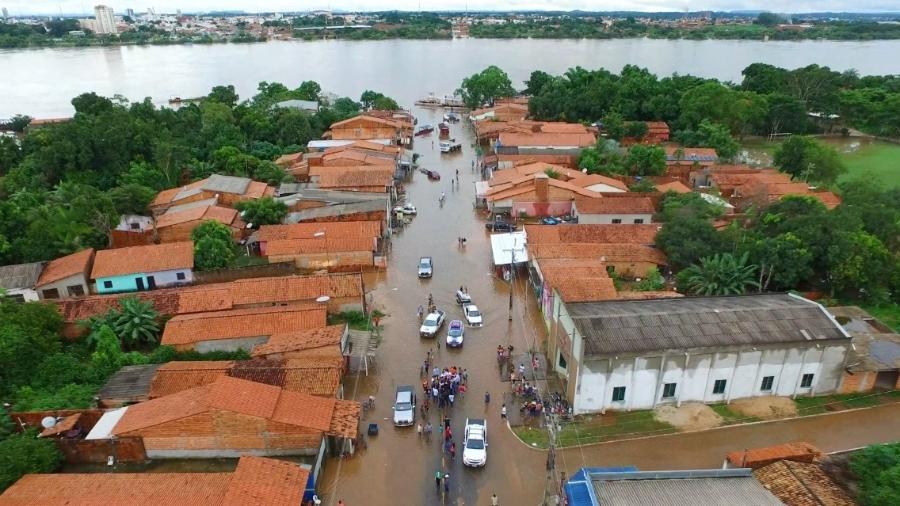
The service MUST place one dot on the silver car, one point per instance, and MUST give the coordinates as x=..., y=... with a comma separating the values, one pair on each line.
x=404, y=406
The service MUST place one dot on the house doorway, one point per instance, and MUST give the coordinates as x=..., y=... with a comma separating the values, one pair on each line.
x=140, y=283
x=151, y=282
x=886, y=380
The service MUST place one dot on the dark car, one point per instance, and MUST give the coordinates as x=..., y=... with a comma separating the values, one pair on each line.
x=500, y=226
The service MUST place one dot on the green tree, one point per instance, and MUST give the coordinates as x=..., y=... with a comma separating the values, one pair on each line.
x=309, y=90
x=721, y=274
x=614, y=125
x=651, y=282
x=711, y=135
x=368, y=98
x=676, y=206
x=646, y=160
x=264, y=211
x=144, y=174
x=643, y=186
x=536, y=82
x=485, y=86
x=223, y=95
x=768, y=19
x=764, y=78
x=131, y=198
x=384, y=103
x=28, y=333
x=602, y=158
x=805, y=159
x=686, y=241
x=636, y=129
x=784, y=261
x=859, y=266
x=213, y=246
x=108, y=356
x=878, y=469
x=25, y=453
x=137, y=322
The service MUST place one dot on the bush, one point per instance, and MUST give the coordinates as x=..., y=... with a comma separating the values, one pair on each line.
x=878, y=470
x=165, y=354
x=23, y=454
x=71, y=396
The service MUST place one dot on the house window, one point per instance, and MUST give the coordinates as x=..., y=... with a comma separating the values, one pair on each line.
x=639, y=220
x=806, y=381
x=618, y=394
x=562, y=361
x=179, y=276
x=767, y=383
x=135, y=226
x=50, y=293
x=719, y=386
x=617, y=220
x=669, y=390
x=107, y=284
x=75, y=290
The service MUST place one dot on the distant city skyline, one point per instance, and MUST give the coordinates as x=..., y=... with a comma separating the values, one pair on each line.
x=50, y=7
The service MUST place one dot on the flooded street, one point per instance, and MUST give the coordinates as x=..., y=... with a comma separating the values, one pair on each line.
x=398, y=467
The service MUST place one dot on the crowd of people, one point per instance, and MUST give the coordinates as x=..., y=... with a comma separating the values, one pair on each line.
x=444, y=386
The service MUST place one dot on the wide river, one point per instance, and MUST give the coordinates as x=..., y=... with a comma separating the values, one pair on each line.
x=41, y=82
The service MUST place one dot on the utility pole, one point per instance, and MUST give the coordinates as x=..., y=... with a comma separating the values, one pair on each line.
x=551, y=489
x=512, y=273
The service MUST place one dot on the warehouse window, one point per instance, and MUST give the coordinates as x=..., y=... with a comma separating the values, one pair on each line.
x=669, y=390
x=719, y=386
x=806, y=381
x=767, y=383
x=618, y=394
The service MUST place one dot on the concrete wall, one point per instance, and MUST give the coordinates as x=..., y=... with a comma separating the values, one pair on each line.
x=245, y=343
x=696, y=371
x=594, y=219
x=27, y=294
x=128, y=283
x=62, y=286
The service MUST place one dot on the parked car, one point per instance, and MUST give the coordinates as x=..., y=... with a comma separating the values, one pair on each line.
x=426, y=267
x=455, y=334
x=500, y=226
x=404, y=406
x=475, y=443
x=424, y=130
x=472, y=314
x=550, y=220
x=407, y=208
x=432, y=323
x=463, y=298
x=450, y=145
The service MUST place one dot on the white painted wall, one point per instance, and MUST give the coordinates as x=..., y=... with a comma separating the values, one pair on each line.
x=743, y=370
x=168, y=278
x=600, y=187
x=27, y=293
x=607, y=219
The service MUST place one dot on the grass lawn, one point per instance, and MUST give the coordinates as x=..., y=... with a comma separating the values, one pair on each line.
x=597, y=428
x=731, y=417
x=879, y=161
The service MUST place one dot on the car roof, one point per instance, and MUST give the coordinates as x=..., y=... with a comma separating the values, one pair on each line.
x=404, y=388
x=456, y=323
x=471, y=306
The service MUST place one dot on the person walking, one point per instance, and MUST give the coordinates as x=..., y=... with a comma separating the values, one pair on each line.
x=419, y=429
x=437, y=480
x=494, y=500
x=465, y=376
x=503, y=411
x=452, y=451
x=428, y=430
x=451, y=398
x=487, y=397
x=447, y=483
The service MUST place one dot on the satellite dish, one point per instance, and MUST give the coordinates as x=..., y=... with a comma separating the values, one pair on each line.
x=48, y=422
x=323, y=298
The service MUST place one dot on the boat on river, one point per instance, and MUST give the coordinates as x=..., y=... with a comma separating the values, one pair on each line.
x=447, y=101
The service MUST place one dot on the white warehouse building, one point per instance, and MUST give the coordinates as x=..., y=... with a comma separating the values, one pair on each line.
x=638, y=354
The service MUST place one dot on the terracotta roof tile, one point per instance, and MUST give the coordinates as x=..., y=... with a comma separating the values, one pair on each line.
x=304, y=410
x=66, y=266
x=271, y=482
x=801, y=484
x=220, y=214
x=365, y=145
x=241, y=323
x=519, y=172
x=624, y=205
x=179, y=376
x=598, y=234
x=296, y=288
x=256, y=189
x=319, y=245
x=691, y=153
x=153, y=258
x=301, y=340
x=340, y=171
x=527, y=184
x=119, y=489
x=63, y=425
x=167, y=196
x=586, y=180
x=611, y=252
x=758, y=457
x=345, y=419
x=365, y=118
x=165, y=409
x=357, y=178
x=674, y=186
x=547, y=139
x=242, y=396
x=332, y=230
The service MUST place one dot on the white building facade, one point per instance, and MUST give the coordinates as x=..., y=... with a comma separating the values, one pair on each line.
x=624, y=355
x=104, y=20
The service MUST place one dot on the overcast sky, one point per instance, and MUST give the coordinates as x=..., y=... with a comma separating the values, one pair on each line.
x=19, y=7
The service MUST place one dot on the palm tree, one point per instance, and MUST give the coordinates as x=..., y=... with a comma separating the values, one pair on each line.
x=136, y=322
x=721, y=274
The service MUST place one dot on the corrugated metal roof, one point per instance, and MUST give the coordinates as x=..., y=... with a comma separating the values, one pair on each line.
x=227, y=184
x=697, y=322
x=19, y=276
x=725, y=487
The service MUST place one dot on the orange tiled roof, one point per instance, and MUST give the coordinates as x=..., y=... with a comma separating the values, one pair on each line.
x=220, y=296
x=598, y=234
x=343, y=170
x=167, y=196
x=241, y=323
x=758, y=457
x=66, y=266
x=612, y=252
x=332, y=230
x=801, y=484
x=364, y=145
x=365, y=118
x=586, y=180
x=624, y=205
x=364, y=157
x=272, y=482
x=518, y=172
x=567, y=160
x=63, y=425
x=301, y=340
x=153, y=258
x=656, y=127
x=289, y=159
x=547, y=139
x=239, y=396
x=586, y=289
x=280, y=247
x=674, y=186
x=314, y=375
x=223, y=215
x=357, y=178
x=527, y=184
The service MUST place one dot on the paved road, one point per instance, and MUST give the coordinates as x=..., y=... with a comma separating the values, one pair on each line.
x=698, y=450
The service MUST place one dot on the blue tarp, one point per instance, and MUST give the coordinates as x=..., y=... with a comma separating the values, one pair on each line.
x=580, y=490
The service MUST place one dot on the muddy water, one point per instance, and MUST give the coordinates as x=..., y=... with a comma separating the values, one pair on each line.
x=398, y=467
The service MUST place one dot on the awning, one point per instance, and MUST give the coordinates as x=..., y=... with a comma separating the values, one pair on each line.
x=105, y=425
x=505, y=247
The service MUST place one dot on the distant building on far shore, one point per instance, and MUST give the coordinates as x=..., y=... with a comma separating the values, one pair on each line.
x=105, y=20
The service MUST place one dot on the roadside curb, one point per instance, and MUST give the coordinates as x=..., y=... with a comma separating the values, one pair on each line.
x=589, y=445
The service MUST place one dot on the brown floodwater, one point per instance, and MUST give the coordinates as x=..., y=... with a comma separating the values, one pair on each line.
x=398, y=467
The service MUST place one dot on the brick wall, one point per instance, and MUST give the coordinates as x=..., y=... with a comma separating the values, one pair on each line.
x=182, y=232
x=97, y=451
x=857, y=382
x=273, y=269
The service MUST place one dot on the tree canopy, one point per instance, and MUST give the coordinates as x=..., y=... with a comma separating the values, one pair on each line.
x=484, y=87
x=264, y=211
x=806, y=159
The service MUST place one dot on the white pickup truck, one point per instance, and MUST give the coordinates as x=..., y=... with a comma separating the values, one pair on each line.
x=433, y=323
x=475, y=443
x=450, y=145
